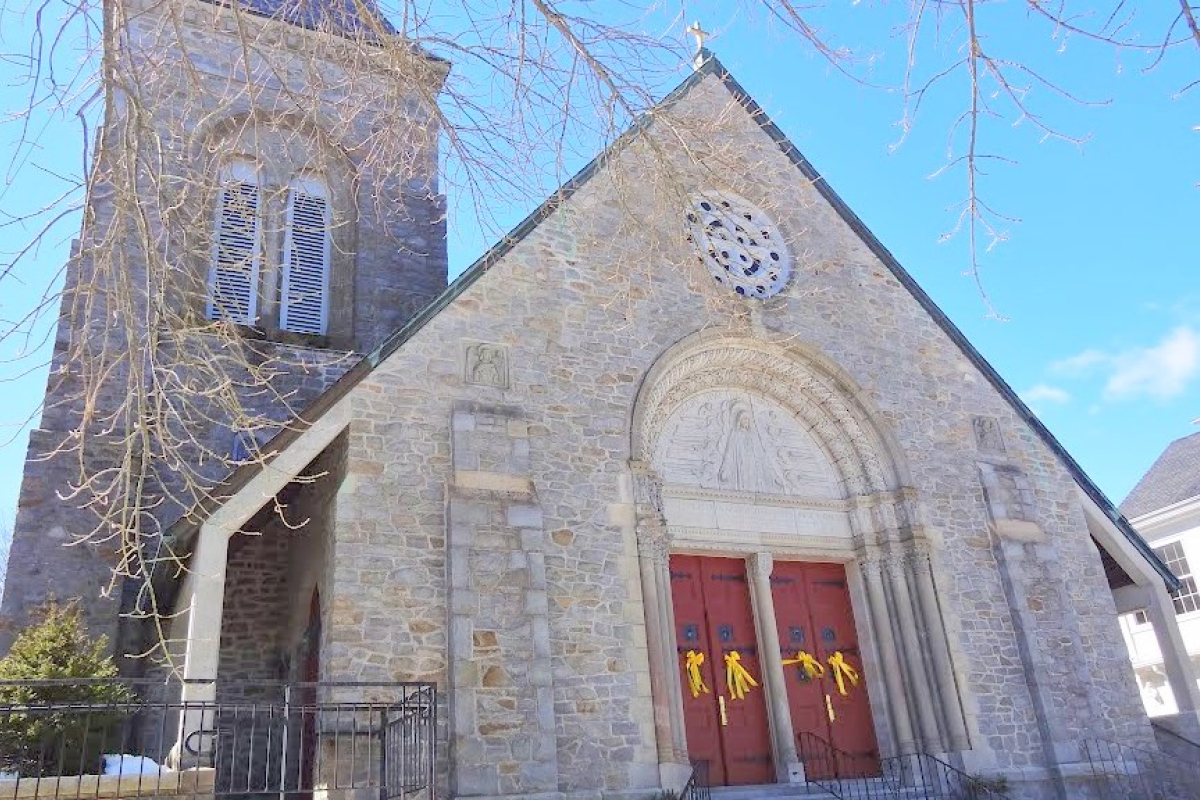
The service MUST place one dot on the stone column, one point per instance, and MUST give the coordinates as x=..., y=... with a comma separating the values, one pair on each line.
x=788, y=768
x=913, y=661
x=1176, y=663
x=671, y=648
x=654, y=548
x=652, y=553
x=921, y=568
x=889, y=656
x=204, y=594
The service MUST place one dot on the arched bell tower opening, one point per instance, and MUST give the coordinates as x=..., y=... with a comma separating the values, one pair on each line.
x=775, y=522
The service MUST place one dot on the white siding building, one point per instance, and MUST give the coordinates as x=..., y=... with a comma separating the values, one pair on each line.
x=1165, y=509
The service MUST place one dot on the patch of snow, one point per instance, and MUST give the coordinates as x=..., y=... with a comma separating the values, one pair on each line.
x=126, y=764
x=8, y=776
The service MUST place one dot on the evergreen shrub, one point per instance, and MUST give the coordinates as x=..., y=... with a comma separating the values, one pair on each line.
x=59, y=729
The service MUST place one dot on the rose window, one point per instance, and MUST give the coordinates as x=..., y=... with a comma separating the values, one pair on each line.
x=740, y=246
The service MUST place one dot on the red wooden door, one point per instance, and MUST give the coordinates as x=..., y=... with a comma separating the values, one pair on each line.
x=700, y=713
x=814, y=615
x=713, y=616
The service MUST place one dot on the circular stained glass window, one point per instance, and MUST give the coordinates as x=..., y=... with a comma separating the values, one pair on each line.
x=740, y=246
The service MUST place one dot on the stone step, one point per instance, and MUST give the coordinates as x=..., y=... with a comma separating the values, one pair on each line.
x=783, y=791
x=776, y=791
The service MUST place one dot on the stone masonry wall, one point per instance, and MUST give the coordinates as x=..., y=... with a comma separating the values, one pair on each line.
x=257, y=595
x=577, y=313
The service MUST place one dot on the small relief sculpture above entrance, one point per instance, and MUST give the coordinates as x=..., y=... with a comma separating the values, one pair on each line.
x=741, y=442
x=987, y=435
x=486, y=365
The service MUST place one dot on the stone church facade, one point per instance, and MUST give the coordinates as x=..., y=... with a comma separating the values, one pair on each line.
x=622, y=464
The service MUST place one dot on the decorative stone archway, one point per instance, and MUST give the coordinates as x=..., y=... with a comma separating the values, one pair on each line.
x=743, y=448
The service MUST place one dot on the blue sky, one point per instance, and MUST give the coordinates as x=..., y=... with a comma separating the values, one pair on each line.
x=1096, y=282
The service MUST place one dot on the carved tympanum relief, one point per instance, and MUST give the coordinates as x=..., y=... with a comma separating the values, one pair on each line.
x=819, y=406
x=737, y=441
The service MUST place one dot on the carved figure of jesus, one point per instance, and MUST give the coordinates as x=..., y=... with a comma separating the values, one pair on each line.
x=746, y=463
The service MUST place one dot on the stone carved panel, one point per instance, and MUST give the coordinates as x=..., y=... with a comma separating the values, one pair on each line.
x=742, y=442
x=987, y=435
x=486, y=365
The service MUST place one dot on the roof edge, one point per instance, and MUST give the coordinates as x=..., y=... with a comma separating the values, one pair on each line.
x=1166, y=514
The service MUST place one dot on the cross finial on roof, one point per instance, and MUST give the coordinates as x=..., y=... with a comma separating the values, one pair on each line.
x=695, y=30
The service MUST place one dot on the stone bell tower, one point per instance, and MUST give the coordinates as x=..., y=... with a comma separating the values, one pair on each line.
x=265, y=194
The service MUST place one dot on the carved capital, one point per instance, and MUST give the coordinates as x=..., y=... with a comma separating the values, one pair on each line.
x=896, y=563
x=871, y=562
x=761, y=565
x=653, y=539
x=647, y=487
x=884, y=562
x=920, y=550
x=887, y=517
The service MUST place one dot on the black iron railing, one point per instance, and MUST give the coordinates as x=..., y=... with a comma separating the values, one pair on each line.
x=1174, y=744
x=75, y=739
x=697, y=786
x=1123, y=771
x=866, y=776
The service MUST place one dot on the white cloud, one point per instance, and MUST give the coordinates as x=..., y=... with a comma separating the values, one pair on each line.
x=1161, y=371
x=1044, y=393
x=1079, y=364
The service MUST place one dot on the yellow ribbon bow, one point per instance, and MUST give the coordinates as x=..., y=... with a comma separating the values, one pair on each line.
x=737, y=678
x=842, y=672
x=812, y=668
x=695, y=681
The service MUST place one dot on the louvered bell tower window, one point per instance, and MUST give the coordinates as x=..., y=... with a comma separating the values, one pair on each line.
x=233, y=276
x=304, y=305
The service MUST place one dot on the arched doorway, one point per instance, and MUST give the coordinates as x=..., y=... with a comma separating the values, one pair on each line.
x=759, y=470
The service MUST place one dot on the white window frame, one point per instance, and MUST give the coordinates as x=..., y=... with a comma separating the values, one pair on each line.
x=1190, y=576
x=236, y=172
x=313, y=187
